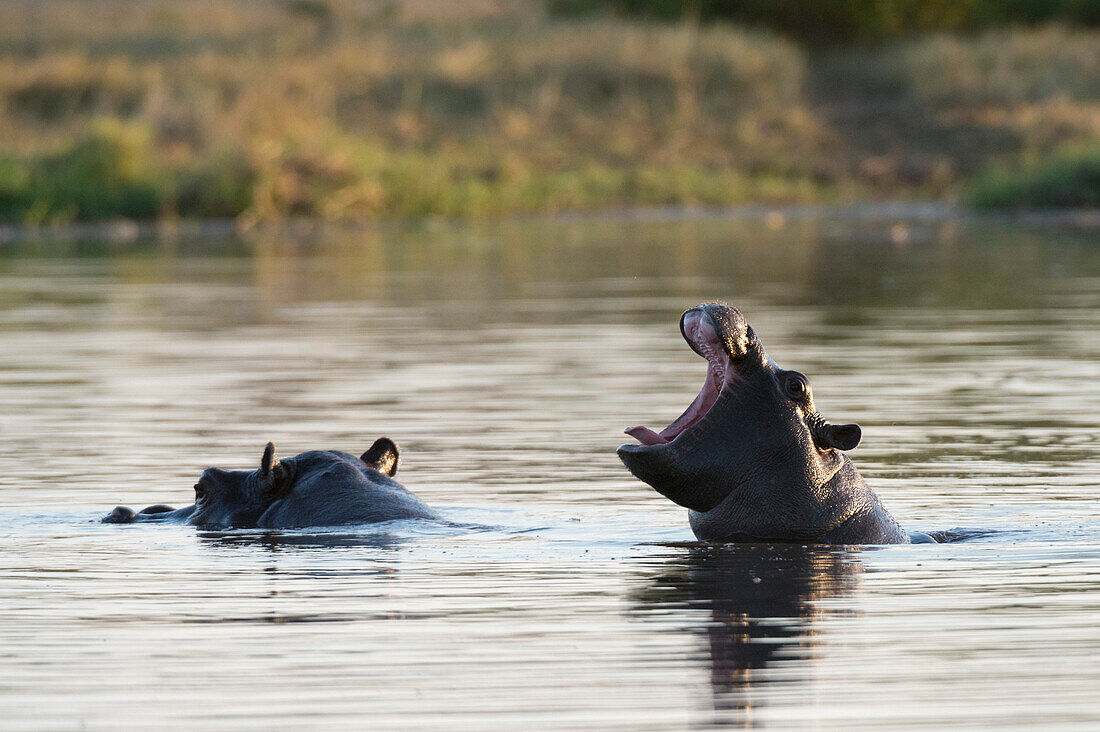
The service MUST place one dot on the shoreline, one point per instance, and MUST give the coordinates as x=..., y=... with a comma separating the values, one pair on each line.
x=928, y=212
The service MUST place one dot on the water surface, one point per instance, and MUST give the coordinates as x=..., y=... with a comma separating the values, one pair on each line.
x=561, y=593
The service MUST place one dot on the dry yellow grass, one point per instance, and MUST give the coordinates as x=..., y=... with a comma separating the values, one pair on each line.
x=337, y=109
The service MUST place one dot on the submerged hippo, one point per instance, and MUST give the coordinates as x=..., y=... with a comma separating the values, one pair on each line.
x=316, y=488
x=751, y=457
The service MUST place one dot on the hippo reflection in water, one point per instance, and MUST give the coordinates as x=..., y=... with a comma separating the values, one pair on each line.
x=316, y=488
x=766, y=605
x=751, y=457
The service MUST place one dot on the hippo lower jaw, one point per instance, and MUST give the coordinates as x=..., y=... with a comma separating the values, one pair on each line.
x=701, y=335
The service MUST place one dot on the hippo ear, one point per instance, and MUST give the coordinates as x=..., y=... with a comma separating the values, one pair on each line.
x=838, y=436
x=382, y=456
x=273, y=476
x=267, y=462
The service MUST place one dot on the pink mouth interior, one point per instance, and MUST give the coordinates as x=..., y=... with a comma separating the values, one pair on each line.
x=700, y=331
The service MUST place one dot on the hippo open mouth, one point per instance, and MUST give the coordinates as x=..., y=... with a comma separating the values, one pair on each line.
x=701, y=334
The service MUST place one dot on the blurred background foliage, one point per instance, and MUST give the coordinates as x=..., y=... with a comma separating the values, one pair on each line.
x=336, y=109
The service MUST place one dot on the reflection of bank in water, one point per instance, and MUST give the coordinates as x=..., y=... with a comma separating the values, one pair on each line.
x=763, y=608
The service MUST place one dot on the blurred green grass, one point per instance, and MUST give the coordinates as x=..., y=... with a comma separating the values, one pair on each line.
x=343, y=110
x=1067, y=179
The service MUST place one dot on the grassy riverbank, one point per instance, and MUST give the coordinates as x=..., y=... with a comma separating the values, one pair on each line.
x=338, y=110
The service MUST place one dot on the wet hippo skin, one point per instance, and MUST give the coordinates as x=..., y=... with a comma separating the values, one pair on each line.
x=316, y=488
x=751, y=458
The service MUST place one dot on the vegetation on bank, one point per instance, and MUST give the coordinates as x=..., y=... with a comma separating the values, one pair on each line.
x=1069, y=179
x=342, y=110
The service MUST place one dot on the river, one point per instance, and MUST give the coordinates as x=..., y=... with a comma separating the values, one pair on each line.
x=560, y=593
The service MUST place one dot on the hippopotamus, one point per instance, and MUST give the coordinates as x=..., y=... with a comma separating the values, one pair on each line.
x=751, y=458
x=316, y=488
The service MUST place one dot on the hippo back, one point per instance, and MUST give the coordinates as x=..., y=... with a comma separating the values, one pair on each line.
x=332, y=488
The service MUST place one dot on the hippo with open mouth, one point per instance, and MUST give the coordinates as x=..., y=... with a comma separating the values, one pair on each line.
x=316, y=488
x=751, y=457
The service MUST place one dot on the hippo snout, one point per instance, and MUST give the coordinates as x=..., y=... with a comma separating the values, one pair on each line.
x=126, y=515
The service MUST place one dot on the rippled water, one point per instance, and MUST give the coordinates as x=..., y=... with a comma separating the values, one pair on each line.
x=505, y=361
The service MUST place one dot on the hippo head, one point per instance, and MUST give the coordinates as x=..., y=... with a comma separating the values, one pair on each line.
x=238, y=498
x=752, y=439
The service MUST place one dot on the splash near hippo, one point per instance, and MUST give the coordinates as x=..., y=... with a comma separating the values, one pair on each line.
x=316, y=488
x=751, y=458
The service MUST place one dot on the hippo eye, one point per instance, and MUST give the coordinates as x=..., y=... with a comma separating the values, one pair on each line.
x=796, y=386
x=200, y=494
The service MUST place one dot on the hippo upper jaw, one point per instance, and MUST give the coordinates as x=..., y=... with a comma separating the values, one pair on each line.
x=725, y=342
x=734, y=355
